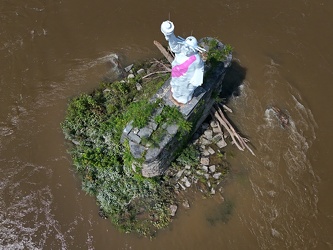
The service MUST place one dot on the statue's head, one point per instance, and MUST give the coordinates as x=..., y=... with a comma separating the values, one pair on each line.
x=192, y=42
x=191, y=45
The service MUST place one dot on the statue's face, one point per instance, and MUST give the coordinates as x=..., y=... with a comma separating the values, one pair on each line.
x=187, y=50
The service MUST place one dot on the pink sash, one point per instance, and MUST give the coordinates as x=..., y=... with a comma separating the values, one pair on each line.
x=181, y=69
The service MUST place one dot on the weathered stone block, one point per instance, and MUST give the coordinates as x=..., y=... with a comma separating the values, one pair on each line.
x=145, y=132
x=133, y=137
x=136, y=149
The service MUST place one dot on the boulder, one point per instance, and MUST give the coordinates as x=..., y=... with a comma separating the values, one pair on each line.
x=186, y=204
x=212, y=168
x=204, y=161
x=173, y=210
x=217, y=176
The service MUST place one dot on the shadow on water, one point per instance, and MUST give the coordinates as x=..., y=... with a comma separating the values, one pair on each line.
x=232, y=82
x=233, y=79
x=220, y=213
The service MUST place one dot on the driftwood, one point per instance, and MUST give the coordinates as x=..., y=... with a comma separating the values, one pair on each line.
x=163, y=65
x=240, y=142
x=156, y=72
x=225, y=107
x=164, y=51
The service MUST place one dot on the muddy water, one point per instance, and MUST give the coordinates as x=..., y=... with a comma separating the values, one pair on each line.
x=281, y=199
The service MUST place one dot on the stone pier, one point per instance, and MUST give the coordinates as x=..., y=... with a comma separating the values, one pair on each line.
x=154, y=159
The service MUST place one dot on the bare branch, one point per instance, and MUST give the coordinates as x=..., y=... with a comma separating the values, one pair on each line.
x=164, y=51
x=156, y=72
x=239, y=141
x=163, y=65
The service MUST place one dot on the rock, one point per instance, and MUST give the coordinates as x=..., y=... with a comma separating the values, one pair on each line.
x=138, y=86
x=130, y=76
x=216, y=130
x=115, y=69
x=213, y=124
x=217, y=176
x=128, y=68
x=204, y=161
x=211, y=151
x=187, y=172
x=217, y=138
x=209, y=134
x=133, y=137
x=186, y=204
x=137, y=150
x=140, y=72
x=198, y=172
x=173, y=210
x=134, y=167
x=205, y=152
x=212, y=191
x=153, y=125
x=204, y=141
x=172, y=129
x=206, y=176
x=212, y=168
x=179, y=174
x=102, y=214
x=184, y=179
x=205, y=169
x=128, y=129
x=145, y=132
x=187, y=167
x=187, y=184
x=221, y=144
x=76, y=142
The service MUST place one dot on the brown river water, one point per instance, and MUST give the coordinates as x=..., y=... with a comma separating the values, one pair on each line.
x=281, y=198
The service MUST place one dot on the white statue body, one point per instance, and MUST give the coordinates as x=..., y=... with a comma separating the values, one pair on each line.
x=187, y=66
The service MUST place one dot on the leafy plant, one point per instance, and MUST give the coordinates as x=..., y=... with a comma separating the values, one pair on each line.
x=216, y=53
x=189, y=156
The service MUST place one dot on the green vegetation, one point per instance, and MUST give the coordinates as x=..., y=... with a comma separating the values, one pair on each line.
x=94, y=124
x=189, y=156
x=172, y=115
x=216, y=53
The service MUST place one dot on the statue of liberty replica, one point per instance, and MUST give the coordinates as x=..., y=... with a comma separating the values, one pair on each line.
x=187, y=66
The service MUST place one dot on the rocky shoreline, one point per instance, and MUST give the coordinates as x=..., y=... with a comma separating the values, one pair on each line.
x=207, y=176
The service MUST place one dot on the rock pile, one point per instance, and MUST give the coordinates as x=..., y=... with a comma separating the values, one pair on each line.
x=212, y=168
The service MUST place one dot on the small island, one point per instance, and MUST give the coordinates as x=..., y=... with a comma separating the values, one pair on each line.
x=136, y=149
